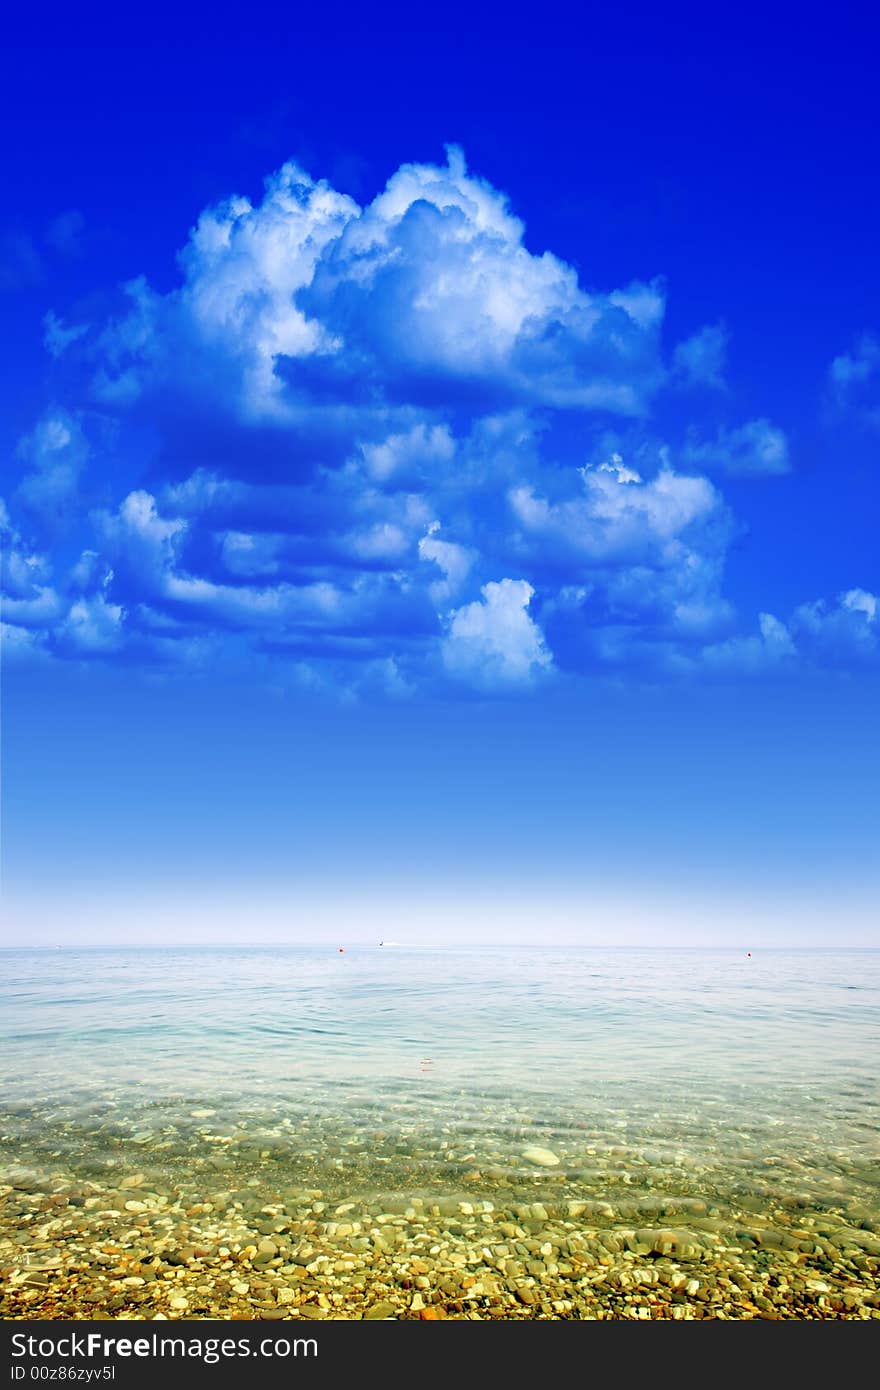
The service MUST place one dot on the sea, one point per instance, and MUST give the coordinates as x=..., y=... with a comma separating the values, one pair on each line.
x=344, y=1132
x=713, y=1071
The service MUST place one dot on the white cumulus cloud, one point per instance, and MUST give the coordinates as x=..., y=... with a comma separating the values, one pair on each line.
x=91, y=627
x=854, y=380
x=432, y=277
x=702, y=359
x=55, y=453
x=494, y=641
x=751, y=450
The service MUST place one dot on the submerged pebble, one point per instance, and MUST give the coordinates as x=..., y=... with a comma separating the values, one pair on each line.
x=397, y=1221
x=544, y=1158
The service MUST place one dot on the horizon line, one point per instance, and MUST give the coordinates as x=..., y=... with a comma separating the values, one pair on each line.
x=423, y=946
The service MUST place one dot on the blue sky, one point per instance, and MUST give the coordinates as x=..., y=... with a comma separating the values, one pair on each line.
x=441, y=477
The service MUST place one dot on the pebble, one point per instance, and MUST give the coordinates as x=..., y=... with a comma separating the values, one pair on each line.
x=380, y=1310
x=543, y=1158
x=386, y=1235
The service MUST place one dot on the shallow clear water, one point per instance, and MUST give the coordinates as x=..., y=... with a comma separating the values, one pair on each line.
x=695, y=1108
x=712, y=1051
